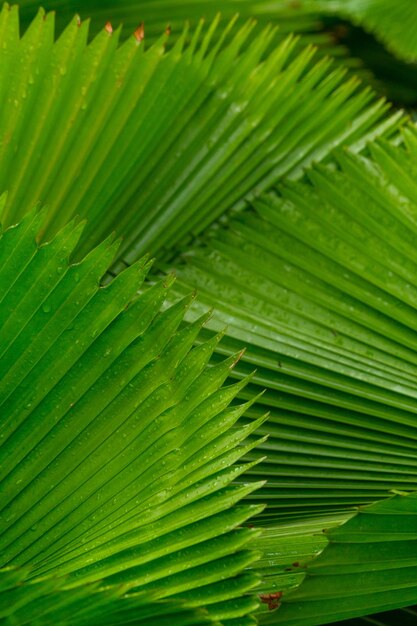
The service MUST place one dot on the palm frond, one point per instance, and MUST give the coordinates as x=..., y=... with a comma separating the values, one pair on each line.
x=394, y=22
x=406, y=617
x=128, y=470
x=157, y=145
x=46, y=601
x=157, y=15
x=369, y=565
x=118, y=445
x=320, y=284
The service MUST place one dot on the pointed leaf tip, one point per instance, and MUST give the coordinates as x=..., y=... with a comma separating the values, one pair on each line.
x=237, y=358
x=169, y=280
x=139, y=33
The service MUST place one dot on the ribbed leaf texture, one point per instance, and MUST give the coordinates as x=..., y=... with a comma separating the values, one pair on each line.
x=311, y=27
x=157, y=15
x=118, y=445
x=157, y=145
x=320, y=284
x=394, y=22
x=368, y=565
x=405, y=617
x=46, y=602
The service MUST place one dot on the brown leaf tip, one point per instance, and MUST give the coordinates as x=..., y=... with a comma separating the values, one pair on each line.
x=168, y=30
x=108, y=28
x=139, y=33
x=271, y=599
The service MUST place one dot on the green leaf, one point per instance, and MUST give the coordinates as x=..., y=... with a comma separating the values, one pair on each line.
x=158, y=15
x=406, y=617
x=44, y=602
x=369, y=565
x=158, y=144
x=320, y=284
x=118, y=446
x=393, y=22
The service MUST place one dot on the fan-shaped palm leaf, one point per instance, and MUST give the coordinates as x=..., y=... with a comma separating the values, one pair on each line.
x=156, y=144
x=368, y=565
x=393, y=22
x=46, y=601
x=320, y=284
x=117, y=443
x=157, y=15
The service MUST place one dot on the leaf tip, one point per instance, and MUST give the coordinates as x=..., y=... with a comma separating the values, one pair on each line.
x=237, y=358
x=170, y=280
x=139, y=33
x=272, y=600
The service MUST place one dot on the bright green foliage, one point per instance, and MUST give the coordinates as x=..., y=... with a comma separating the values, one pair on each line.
x=287, y=544
x=156, y=145
x=124, y=498
x=118, y=445
x=157, y=15
x=44, y=602
x=321, y=286
x=394, y=22
x=369, y=565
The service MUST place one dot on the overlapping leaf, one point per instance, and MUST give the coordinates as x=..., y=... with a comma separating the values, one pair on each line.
x=118, y=446
x=45, y=602
x=156, y=145
x=406, y=617
x=368, y=565
x=321, y=286
x=158, y=15
x=394, y=22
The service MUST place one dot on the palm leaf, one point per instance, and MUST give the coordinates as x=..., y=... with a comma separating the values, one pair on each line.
x=406, y=617
x=118, y=447
x=284, y=547
x=157, y=15
x=45, y=602
x=393, y=22
x=320, y=284
x=157, y=145
x=368, y=565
